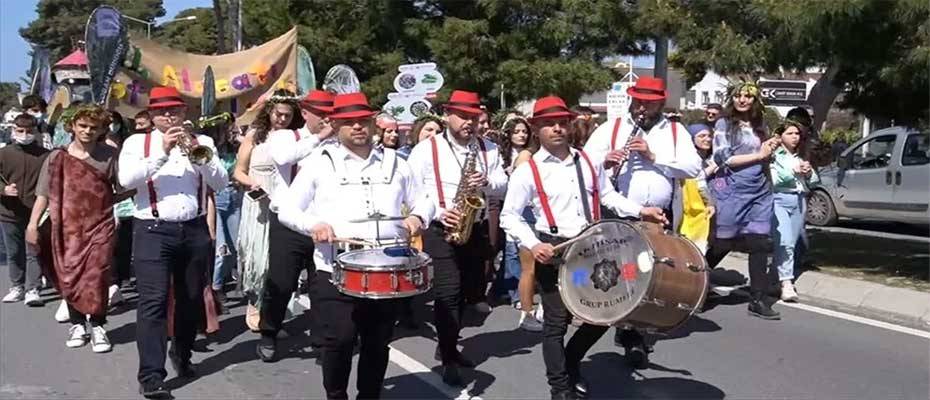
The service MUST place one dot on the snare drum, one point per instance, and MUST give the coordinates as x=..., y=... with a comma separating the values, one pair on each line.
x=383, y=273
x=632, y=274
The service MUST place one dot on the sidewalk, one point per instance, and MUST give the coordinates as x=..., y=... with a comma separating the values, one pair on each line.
x=900, y=306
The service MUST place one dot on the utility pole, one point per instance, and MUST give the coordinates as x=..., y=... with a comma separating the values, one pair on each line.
x=661, y=61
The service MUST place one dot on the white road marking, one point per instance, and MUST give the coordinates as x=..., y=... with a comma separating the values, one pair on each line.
x=861, y=320
x=413, y=366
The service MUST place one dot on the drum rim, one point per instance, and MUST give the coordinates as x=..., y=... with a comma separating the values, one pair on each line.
x=422, y=259
x=649, y=285
x=381, y=296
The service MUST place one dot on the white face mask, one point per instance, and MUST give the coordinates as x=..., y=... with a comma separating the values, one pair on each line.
x=38, y=115
x=25, y=139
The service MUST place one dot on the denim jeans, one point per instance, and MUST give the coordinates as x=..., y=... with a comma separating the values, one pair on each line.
x=228, y=210
x=20, y=258
x=789, y=224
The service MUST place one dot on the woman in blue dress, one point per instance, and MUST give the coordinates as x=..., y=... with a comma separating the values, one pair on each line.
x=742, y=151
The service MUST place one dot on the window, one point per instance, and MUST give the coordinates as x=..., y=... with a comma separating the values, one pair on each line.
x=705, y=97
x=916, y=150
x=690, y=96
x=875, y=153
x=719, y=96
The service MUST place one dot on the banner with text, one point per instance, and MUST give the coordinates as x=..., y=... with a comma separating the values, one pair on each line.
x=242, y=78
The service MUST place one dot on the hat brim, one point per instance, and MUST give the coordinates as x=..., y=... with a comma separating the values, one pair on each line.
x=467, y=110
x=320, y=109
x=553, y=115
x=167, y=104
x=646, y=96
x=353, y=114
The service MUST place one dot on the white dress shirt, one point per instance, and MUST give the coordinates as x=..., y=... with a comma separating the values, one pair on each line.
x=286, y=151
x=451, y=157
x=560, y=183
x=176, y=180
x=649, y=183
x=336, y=186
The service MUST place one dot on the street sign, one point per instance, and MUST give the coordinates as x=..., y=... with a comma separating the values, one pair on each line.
x=783, y=93
x=618, y=101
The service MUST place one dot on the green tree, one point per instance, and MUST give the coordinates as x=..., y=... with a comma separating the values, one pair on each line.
x=8, y=96
x=875, y=49
x=532, y=47
x=197, y=36
x=60, y=23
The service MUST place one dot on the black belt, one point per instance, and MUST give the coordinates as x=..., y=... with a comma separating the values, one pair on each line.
x=553, y=240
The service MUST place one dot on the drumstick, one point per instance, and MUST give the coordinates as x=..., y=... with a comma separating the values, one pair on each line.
x=353, y=241
x=562, y=246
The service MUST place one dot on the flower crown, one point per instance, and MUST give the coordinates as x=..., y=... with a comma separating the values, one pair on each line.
x=749, y=88
x=275, y=99
x=428, y=116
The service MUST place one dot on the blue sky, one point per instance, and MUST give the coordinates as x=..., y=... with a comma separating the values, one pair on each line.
x=15, y=14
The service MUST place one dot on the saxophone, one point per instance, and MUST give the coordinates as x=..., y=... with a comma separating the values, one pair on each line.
x=467, y=202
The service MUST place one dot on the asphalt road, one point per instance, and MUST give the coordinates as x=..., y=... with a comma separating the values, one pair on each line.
x=720, y=354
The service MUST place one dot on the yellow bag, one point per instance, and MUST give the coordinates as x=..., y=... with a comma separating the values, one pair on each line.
x=695, y=224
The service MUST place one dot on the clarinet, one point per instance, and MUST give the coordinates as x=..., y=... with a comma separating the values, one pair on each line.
x=637, y=132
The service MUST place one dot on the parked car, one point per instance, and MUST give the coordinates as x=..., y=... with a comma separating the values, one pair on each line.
x=884, y=176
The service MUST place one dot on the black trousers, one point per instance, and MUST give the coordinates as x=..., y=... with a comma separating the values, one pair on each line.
x=162, y=251
x=758, y=246
x=454, y=268
x=290, y=253
x=75, y=317
x=562, y=361
x=122, y=254
x=347, y=320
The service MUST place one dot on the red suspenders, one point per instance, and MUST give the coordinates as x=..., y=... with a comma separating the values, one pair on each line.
x=153, y=199
x=544, y=199
x=439, y=192
x=613, y=136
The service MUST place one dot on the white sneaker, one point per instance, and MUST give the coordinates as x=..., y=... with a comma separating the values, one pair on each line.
x=722, y=291
x=529, y=322
x=33, y=299
x=483, y=307
x=16, y=294
x=788, y=294
x=116, y=296
x=62, y=314
x=77, y=336
x=538, y=313
x=100, y=343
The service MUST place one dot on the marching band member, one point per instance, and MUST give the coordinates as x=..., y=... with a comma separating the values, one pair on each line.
x=341, y=183
x=660, y=152
x=171, y=238
x=290, y=251
x=437, y=164
x=548, y=183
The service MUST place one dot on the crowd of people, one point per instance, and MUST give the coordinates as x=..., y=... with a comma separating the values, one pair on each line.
x=96, y=204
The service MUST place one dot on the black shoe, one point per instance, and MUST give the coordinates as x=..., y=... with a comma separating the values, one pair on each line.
x=156, y=390
x=758, y=308
x=267, y=348
x=458, y=358
x=637, y=356
x=407, y=323
x=184, y=368
x=451, y=377
x=569, y=395
x=580, y=386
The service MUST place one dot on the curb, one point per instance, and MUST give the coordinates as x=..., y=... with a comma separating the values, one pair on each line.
x=898, y=306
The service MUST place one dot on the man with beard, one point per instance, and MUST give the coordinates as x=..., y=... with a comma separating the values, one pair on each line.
x=337, y=186
x=438, y=164
x=645, y=153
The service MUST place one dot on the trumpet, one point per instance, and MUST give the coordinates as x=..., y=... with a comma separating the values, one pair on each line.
x=198, y=154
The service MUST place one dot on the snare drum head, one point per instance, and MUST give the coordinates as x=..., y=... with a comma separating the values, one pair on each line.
x=388, y=258
x=606, y=274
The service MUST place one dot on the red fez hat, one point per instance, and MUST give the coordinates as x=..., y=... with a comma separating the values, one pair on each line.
x=466, y=102
x=648, y=88
x=318, y=100
x=351, y=105
x=550, y=107
x=165, y=96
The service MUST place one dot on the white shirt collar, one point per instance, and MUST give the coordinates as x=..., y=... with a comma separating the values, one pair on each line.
x=375, y=155
x=447, y=135
x=543, y=155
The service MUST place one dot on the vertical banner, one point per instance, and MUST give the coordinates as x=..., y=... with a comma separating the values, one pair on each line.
x=105, y=43
x=208, y=100
x=41, y=73
x=306, y=75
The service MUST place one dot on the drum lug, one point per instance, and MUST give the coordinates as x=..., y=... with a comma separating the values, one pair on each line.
x=696, y=268
x=667, y=261
x=336, y=277
x=365, y=283
x=655, y=302
x=415, y=276
x=394, y=283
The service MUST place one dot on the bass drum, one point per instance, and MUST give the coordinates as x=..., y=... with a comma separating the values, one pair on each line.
x=632, y=274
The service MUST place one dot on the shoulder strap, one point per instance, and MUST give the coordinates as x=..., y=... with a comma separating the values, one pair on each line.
x=388, y=164
x=294, y=167
x=674, y=137
x=613, y=135
x=200, y=198
x=442, y=198
x=595, y=188
x=153, y=200
x=484, y=154
x=543, y=198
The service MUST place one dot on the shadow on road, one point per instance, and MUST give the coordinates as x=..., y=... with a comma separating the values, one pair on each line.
x=609, y=377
